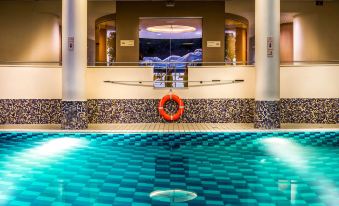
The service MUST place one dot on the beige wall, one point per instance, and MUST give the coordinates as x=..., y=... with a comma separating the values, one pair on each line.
x=128, y=14
x=286, y=6
x=29, y=32
x=319, y=31
x=286, y=42
x=30, y=29
x=321, y=81
x=96, y=9
x=45, y=82
x=97, y=89
x=30, y=82
x=316, y=36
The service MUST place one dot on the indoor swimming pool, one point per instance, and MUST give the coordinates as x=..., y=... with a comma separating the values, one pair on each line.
x=235, y=168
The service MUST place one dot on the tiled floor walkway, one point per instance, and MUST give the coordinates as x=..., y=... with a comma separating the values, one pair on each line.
x=172, y=127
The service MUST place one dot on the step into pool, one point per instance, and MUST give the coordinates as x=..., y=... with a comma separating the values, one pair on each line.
x=236, y=168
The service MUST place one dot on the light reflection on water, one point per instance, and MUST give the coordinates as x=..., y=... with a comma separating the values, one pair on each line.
x=23, y=163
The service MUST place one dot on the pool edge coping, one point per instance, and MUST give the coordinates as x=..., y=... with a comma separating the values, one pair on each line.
x=170, y=131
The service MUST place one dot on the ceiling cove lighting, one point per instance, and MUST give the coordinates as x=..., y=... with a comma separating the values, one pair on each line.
x=171, y=29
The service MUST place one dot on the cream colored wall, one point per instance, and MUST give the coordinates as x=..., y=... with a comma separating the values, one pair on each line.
x=97, y=89
x=30, y=82
x=320, y=81
x=237, y=90
x=45, y=82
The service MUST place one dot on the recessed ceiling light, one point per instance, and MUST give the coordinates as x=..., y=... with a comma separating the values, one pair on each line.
x=171, y=29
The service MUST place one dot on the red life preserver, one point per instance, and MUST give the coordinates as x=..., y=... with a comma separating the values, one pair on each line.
x=171, y=117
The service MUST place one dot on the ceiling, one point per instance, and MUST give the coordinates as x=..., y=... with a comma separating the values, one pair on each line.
x=144, y=23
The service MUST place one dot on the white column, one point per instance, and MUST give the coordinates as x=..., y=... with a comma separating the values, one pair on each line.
x=74, y=57
x=74, y=63
x=267, y=25
x=267, y=61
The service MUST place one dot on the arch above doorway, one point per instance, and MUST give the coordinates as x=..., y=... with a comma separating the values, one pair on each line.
x=105, y=40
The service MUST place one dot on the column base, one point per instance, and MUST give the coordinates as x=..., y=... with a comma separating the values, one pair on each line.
x=4, y=110
x=267, y=115
x=2, y=120
x=74, y=115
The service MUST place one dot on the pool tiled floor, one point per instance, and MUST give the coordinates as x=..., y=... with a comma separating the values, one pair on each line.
x=171, y=127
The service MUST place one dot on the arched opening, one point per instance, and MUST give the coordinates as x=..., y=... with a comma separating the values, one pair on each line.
x=105, y=40
x=235, y=39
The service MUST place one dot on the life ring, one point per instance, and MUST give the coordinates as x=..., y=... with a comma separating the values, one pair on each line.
x=171, y=117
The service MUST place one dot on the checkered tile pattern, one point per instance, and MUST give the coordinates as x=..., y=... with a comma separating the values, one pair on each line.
x=123, y=169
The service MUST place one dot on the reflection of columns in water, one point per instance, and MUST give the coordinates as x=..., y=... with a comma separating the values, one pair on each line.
x=267, y=60
x=289, y=187
x=171, y=169
x=74, y=61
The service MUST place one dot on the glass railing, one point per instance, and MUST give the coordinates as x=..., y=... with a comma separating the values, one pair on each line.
x=30, y=63
x=309, y=63
x=168, y=64
x=159, y=65
x=170, y=74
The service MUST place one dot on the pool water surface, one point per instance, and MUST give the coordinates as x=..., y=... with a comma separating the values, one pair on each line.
x=269, y=168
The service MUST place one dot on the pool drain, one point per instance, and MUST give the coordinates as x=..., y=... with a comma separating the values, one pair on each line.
x=173, y=195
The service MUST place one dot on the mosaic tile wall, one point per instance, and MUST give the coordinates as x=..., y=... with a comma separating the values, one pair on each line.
x=30, y=111
x=48, y=111
x=267, y=114
x=146, y=111
x=74, y=115
x=324, y=111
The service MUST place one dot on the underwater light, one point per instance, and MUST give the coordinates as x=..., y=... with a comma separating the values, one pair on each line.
x=173, y=195
x=171, y=29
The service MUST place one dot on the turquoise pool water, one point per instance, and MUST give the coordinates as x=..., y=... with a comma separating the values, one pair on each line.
x=277, y=168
